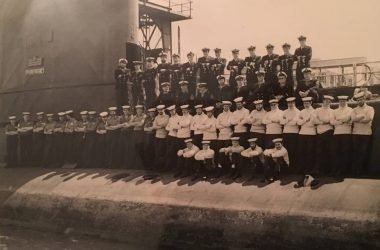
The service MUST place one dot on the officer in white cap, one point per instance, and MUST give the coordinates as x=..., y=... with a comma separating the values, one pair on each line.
x=276, y=161
x=208, y=127
x=101, y=145
x=362, y=117
x=172, y=140
x=166, y=97
x=235, y=67
x=254, y=157
x=113, y=125
x=309, y=87
x=307, y=138
x=49, y=142
x=159, y=125
x=149, y=156
x=185, y=159
x=217, y=67
x=11, y=142
x=239, y=121
x=198, y=119
x=230, y=158
x=25, y=131
x=290, y=131
x=272, y=123
x=222, y=93
x=255, y=119
x=342, y=138
x=205, y=160
x=204, y=96
x=325, y=130
x=241, y=89
x=262, y=90
x=285, y=63
x=38, y=139
x=184, y=96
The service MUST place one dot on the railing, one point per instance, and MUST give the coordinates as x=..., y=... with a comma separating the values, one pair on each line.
x=367, y=73
x=181, y=7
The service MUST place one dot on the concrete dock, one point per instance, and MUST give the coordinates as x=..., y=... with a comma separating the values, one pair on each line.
x=121, y=205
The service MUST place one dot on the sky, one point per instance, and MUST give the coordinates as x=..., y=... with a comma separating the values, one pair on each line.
x=334, y=28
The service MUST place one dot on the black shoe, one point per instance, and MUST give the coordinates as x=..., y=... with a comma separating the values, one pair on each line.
x=178, y=174
x=195, y=177
x=315, y=184
x=236, y=175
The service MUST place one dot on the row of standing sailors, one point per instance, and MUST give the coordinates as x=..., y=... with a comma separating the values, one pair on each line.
x=319, y=141
x=135, y=87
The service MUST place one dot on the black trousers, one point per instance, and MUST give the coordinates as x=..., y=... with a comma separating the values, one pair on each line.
x=59, y=149
x=69, y=141
x=185, y=164
x=260, y=138
x=274, y=167
x=26, y=149
x=252, y=164
x=227, y=160
x=243, y=138
x=121, y=97
x=205, y=167
x=49, y=151
x=269, y=140
x=149, y=155
x=360, y=153
x=172, y=146
x=113, y=149
x=219, y=145
x=100, y=151
x=197, y=140
x=323, y=163
x=89, y=149
x=11, y=157
x=291, y=144
x=160, y=152
x=341, y=154
x=306, y=153
x=38, y=148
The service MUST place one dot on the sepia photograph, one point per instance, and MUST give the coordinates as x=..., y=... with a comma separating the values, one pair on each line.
x=189, y=124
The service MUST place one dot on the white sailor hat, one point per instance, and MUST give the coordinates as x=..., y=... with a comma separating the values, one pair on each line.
x=359, y=95
x=202, y=84
x=282, y=73
x=205, y=142
x=252, y=140
x=199, y=106
x=226, y=103
x=329, y=97
x=126, y=107
x=186, y=106
x=188, y=140
x=159, y=107
x=139, y=107
x=92, y=112
x=69, y=112
x=183, y=83
x=239, y=77
x=103, y=114
x=25, y=113
x=49, y=115
x=273, y=101
x=40, y=113
x=12, y=117
x=170, y=108
x=306, y=70
x=290, y=99
x=61, y=113
x=165, y=84
x=163, y=53
x=258, y=102
x=84, y=112
x=112, y=108
x=277, y=140
x=137, y=62
x=149, y=59
x=239, y=99
x=123, y=60
x=220, y=77
x=235, y=138
x=342, y=97
x=307, y=99
x=152, y=110
x=260, y=72
x=210, y=108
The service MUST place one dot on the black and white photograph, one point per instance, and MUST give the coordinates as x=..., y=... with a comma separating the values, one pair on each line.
x=189, y=124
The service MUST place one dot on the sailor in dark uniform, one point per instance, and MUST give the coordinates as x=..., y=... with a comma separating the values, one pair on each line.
x=262, y=91
x=204, y=96
x=252, y=64
x=189, y=73
x=282, y=90
x=308, y=87
x=12, y=142
x=285, y=63
x=122, y=77
x=303, y=55
x=166, y=96
x=218, y=65
x=269, y=63
x=184, y=96
x=139, y=96
x=241, y=90
x=25, y=131
x=222, y=93
x=38, y=139
x=163, y=69
x=235, y=67
x=204, y=65
x=150, y=82
x=176, y=73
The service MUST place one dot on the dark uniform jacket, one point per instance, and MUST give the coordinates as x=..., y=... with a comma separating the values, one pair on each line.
x=314, y=90
x=185, y=98
x=205, y=72
x=167, y=99
x=122, y=76
x=235, y=67
x=218, y=65
x=176, y=76
x=303, y=56
x=207, y=99
x=163, y=69
x=286, y=91
x=263, y=92
x=253, y=65
x=285, y=63
x=269, y=63
x=224, y=94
